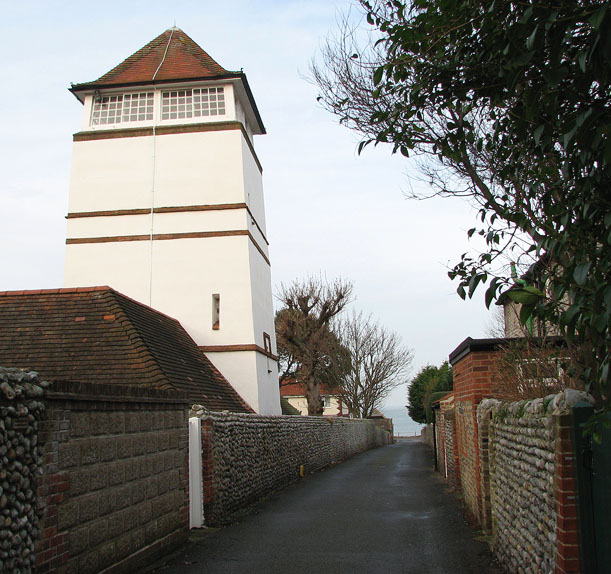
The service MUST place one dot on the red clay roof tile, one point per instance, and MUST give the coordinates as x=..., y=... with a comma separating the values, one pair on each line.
x=66, y=334
x=170, y=56
x=296, y=389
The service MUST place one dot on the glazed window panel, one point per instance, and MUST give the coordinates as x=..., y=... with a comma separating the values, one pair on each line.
x=138, y=107
x=122, y=108
x=192, y=103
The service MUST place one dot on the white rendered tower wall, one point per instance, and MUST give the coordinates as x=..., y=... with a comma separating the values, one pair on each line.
x=171, y=213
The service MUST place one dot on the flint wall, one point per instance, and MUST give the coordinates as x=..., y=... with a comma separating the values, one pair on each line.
x=527, y=466
x=246, y=457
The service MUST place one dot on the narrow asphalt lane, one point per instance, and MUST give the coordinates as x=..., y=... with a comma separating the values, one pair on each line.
x=384, y=510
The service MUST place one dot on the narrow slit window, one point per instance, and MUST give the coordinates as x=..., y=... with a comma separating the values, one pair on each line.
x=216, y=311
x=267, y=342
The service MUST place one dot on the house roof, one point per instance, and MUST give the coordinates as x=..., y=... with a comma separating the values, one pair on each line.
x=295, y=389
x=288, y=408
x=170, y=56
x=98, y=335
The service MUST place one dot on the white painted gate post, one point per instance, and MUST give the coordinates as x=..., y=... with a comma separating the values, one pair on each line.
x=196, y=491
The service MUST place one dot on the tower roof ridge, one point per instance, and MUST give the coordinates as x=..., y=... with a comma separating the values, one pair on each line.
x=172, y=55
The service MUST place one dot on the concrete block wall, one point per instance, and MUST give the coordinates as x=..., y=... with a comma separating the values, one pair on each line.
x=246, y=457
x=114, y=487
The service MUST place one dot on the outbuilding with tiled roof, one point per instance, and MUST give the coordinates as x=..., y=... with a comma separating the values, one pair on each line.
x=98, y=335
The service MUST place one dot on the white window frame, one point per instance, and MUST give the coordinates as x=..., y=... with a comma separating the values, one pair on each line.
x=188, y=103
x=115, y=107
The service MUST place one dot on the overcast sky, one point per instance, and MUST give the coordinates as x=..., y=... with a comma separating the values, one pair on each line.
x=329, y=211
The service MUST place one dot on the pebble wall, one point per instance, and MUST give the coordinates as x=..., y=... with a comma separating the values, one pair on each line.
x=246, y=457
x=522, y=465
x=449, y=452
x=467, y=437
x=20, y=462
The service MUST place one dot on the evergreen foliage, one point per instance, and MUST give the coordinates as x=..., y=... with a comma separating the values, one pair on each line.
x=429, y=380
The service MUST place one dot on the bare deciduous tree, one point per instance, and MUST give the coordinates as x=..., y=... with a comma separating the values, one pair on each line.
x=533, y=367
x=374, y=363
x=307, y=347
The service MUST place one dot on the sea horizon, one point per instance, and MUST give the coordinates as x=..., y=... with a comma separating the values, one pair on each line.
x=403, y=424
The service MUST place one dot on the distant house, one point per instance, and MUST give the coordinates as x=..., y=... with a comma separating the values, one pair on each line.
x=511, y=309
x=98, y=335
x=294, y=393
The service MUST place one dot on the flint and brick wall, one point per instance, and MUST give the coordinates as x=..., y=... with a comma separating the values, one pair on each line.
x=532, y=501
x=445, y=431
x=450, y=452
x=246, y=457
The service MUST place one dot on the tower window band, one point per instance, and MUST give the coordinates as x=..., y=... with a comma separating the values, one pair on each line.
x=122, y=108
x=192, y=103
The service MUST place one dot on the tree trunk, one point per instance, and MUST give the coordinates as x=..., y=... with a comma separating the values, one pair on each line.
x=315, y=406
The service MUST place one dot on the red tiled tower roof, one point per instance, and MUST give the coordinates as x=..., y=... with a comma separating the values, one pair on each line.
x=97, y=335
x=171, y=56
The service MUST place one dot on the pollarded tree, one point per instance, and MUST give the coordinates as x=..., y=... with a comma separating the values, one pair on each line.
x=307, y=347
x=508, y=103
x=374, y=362
x=429, y=380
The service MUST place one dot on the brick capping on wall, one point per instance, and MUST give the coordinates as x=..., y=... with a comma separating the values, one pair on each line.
x=470, y=345
x=168, y=130
x=75, y=391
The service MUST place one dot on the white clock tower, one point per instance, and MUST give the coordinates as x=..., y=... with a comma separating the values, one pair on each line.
x=166, y=204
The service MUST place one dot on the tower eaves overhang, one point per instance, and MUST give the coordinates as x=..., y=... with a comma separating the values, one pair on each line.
x=238, y=79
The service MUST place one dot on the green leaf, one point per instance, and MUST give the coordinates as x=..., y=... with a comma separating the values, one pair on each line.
x=491, y=292
x=526, y=312
x=378, y=75
x=598, y=16
x=530, y=42
x=581, y=272
x=525, y=295
x=461, y=292
x=538, y=132
x=568, y=317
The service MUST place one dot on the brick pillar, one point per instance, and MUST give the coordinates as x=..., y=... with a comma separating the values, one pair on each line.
x=474, y=364
x=565, y=491
x=52, y=547
x=208, y=470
